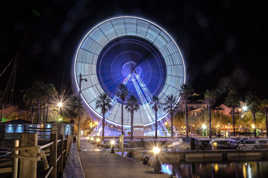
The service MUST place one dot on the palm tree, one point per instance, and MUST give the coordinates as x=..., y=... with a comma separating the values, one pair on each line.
x=232, y=100
x=170, y=104
x=33, y=97
x=122, y=94
x=210, y=97
x=264, y=108
x=186, y=91
x=132, y=105
x=156, y=106
x=50, y=93
x=254, y=105
x=103, y=102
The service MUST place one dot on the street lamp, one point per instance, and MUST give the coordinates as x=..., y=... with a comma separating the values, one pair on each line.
x=204, y=129
x=156, y=162
x=60, y=106
x=80, y=83
x=112, y=142
x=244, y=108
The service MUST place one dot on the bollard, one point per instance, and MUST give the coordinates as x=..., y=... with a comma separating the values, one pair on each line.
x=157, y=165
x=16, y=159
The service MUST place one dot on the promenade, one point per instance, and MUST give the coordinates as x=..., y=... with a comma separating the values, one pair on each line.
x=99, y=163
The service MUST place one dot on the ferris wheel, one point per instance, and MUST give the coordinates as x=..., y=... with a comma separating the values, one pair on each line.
x=132, y=51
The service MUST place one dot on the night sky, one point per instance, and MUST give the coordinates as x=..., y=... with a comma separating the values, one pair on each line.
x=220, y=40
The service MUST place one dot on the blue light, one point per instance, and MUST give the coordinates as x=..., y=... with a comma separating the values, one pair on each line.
x=166, y=168
x=20, y=128
x=160, y=74
x=9, y=128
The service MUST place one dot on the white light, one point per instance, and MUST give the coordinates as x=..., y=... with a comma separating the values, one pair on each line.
x=112, y=142
x=204, y=126
x=60, y=104
x=244, y=108
x=156, y=150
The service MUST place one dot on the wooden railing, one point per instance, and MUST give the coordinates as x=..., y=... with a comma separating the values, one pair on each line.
x=28, y=154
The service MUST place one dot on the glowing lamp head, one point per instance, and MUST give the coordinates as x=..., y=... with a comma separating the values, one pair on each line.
x=91, y=138
x=204, y=126
x=112, y=142
x=244, y=108
x=98, y=140
x=60, y=104
x=156, y=150
x=253, y=126
x=215, y=144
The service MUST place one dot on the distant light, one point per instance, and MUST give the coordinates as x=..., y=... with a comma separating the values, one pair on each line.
x=112, y=142
x=88, y=138
x=204, y=126
x=216, y=167
x=98, y=140
x=253, y=126
x=244, y=108
x=166, y=123
x=91, y=138
x=156, y=150
x=215, y=144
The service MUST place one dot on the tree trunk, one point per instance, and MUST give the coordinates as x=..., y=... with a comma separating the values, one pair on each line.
x=47, y=113
x=103, y=126
x=39, y=114
x=32, y=114
x=266, y=119
x=172, y=132
x=254, y=120
x=233, y=119
x=1, y=113
x=186, y=120
x=155, y=134
x=132, y=114
x=209, y=116
x=122, y=119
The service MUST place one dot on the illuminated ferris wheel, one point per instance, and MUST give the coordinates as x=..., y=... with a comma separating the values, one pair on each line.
x=132, y=51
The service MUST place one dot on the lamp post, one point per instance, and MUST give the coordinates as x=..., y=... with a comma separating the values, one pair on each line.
x=79, y=115
x=59, y=105
x=204, y=129
x=156, y=162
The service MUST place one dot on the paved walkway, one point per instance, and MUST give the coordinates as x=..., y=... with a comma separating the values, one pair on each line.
x=101, y=164
x=73, y=168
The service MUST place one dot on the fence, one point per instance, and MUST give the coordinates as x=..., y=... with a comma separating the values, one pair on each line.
x=31, y=160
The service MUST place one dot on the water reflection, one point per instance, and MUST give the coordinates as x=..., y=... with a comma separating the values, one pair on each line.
x=252, y=169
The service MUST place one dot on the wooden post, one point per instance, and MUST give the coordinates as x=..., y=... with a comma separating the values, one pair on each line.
x=62, y=155
x=54, y=151
x=16, y=159
x=28, y=167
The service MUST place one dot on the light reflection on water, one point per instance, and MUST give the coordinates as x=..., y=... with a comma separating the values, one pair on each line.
x=252, y=169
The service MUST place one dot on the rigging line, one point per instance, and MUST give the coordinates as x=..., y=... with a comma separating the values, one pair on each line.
x=4, y=70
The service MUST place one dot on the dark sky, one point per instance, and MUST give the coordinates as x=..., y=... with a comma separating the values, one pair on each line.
x=220, y=40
